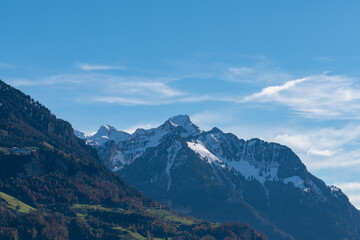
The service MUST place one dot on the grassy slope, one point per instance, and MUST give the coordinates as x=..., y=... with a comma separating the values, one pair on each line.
x=85, y=212
x=16, y=204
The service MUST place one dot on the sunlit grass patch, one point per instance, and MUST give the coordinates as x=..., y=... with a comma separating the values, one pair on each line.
x=131, y=234
x=96, y=208
x=48, y=145
x=16, y=204
x=169, y=217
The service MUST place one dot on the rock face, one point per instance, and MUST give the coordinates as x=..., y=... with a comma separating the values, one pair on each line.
x=217, y=176
x=53, y=186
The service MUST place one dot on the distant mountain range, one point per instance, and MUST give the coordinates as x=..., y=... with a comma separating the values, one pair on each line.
x=53, y=186
x=217, y=176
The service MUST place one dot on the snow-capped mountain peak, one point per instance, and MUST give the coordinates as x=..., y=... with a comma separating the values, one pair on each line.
x=180, y=120
x=106, y=133
x=183, y=121
x=104, y=130
x=79, y=134
x=134, y=145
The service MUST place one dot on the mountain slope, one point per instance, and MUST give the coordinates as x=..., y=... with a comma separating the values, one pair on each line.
x=53, y=186
x=264, y=184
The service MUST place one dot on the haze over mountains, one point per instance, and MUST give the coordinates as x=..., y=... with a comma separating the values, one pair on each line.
x=217, y=176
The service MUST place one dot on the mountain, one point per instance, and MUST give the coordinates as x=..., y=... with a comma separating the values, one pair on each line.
x=54, y=186
x=217, y=176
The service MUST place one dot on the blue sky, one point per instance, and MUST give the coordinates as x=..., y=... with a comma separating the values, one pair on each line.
x=283, y=71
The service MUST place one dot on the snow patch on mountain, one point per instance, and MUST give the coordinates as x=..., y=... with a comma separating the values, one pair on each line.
x=250, y=171
x=297, y=181
x=241, y=157
x=335, y=191
x=136, y=144
x=106, y=133
x=205, y=154
x=143, y=139
x=119, y=161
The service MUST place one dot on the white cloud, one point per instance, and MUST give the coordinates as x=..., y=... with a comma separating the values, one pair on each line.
x=143, y=87
x=150, y=100
x=324, y=153
x=316, y=140
x=118, y=100
x=349, y=186
x=96, y=67
x=325, y=147
x=352, y=190
x=354, y=199
x=52, y=80
x=318, y=96
x=273, y=91
x=350, y=159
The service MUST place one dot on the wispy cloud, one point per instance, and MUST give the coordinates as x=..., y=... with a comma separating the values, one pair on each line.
x=319, y=96
x=151, y=100
x=262, y=72
x=123, y=90
x=97, y=67
x=117, y=100
x=140, y=86
x=273, y=91
x=46, y=81
x=6, y=65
